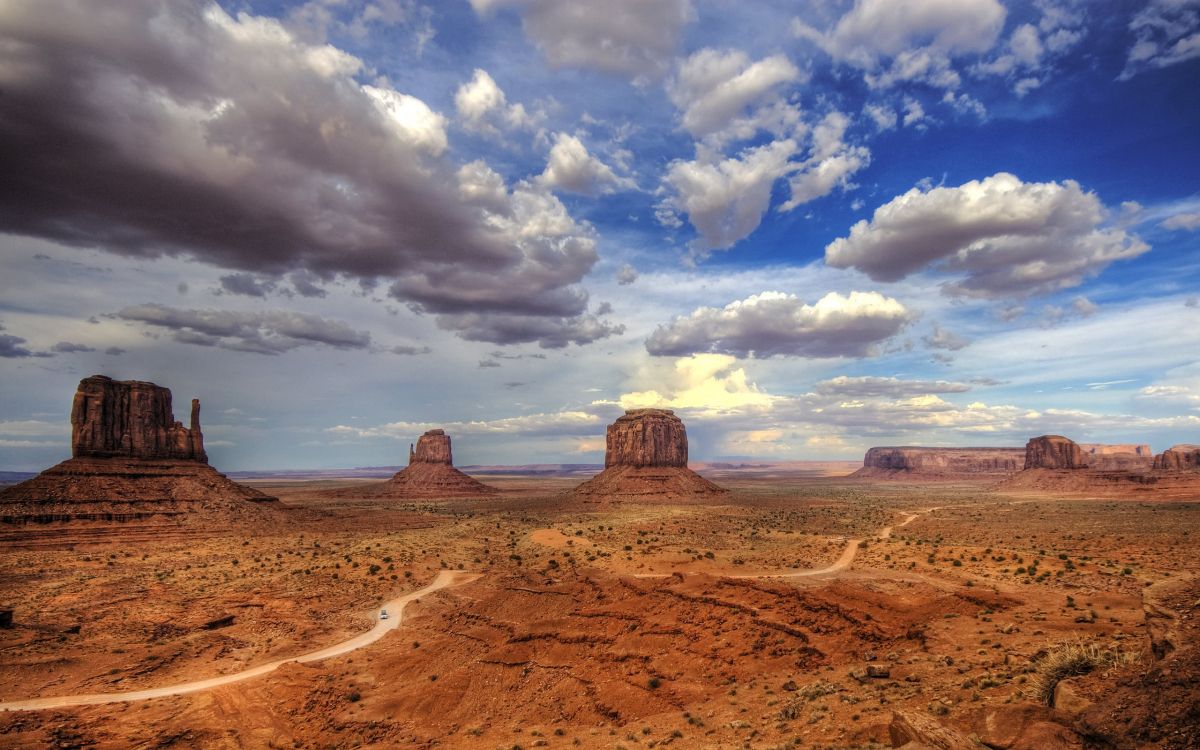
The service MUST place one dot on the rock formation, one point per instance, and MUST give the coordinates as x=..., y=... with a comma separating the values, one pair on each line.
x=1053, y=452
x=130, y=460
x=1183, y=457
x=131, y=419
x=645, y=459
x=1118, y=457
x=940, y=462
x=430, y=474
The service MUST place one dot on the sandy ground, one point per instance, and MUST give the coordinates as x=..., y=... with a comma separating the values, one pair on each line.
x=749, y=622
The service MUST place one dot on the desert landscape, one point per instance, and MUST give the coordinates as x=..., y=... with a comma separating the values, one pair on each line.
x=947, y=600
x=602, y=374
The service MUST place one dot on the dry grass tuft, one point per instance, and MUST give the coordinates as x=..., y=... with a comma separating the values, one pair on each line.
x=1072, y=660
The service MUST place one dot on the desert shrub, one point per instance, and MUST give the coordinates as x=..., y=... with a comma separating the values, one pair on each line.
x=1072, y=660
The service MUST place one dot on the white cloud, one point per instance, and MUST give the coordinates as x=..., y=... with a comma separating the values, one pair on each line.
x=725, y=198
x=1189, y=221
x=633, y=38
x=830, y=165
x=1084, y=306
x=1166, y=32
x=719, y=93
x=626, y=274
x=569, y=423
x=1004, y=236
x=706, y=383
x=776, y=324
x=941, y=338
x=882, y=115
x=894, y=41
x=570, y=167
x=483, y=107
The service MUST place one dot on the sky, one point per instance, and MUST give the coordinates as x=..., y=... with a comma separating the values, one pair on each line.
x=808, y=228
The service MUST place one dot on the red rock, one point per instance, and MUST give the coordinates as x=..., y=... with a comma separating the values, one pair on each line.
x=646, y=460
x=910, y=726
x=1053, y=452
x=430, y=473
x=1182, y=457
x=131, y=419
x=905, y=460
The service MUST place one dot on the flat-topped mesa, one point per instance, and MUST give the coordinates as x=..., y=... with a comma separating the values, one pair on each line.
x=646, y=437
x=1183, y=457
x=131, y=419
x=1053, y=452
x=1116, y=449
x=1118, y=456
x=432, y=448
x=888, y=460
x=645, y=460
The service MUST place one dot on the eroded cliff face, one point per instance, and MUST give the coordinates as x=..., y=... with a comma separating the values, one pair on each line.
x=432, y=448
x=1183, y=457
x=646, y=461
x=646, y=437
x=1053, y=452
x=131, y=419
x=956, y=461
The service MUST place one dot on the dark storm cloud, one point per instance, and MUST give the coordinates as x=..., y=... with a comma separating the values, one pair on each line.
x=142, y=128
x=548, y=332
x=67, y=347
x=408, y=351
x=13, y=347
x=246, y=284
x=268, y=332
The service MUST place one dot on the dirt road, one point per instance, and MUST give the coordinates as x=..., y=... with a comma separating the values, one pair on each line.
x=395, y=608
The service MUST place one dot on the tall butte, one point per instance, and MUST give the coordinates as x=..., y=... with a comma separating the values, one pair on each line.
x=645, y=459
x=130, y=460
x=430, y=473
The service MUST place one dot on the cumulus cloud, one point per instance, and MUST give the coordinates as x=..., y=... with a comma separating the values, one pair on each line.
x=267, y=332
x=632, y=38
x=13, y=347
x=246, y=284
x=1166, y=32
x=164, y=144
x=408, y=350
x=1084, y=306
x=725, y=198
x=830, y=165
x=777, y=324
x=626, y=275
x=882, y=115
x=483, y=107
x=570, y=167
x=704, y=383
x=722, y=93
x=1004, y=236
x=1027, y=57
x=894, y=41
x=69, y=347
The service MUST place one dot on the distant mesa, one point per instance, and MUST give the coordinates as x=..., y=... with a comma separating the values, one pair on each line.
x=1053, y=452
x=1058, y=452
x=130, y=460
x=1183, y=457
x=645, y=459
x=917, y=462
x=430, y=474
x=1054, y=462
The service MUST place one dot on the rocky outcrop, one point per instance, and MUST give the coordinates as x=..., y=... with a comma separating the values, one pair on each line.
x=432, y=448
x=1053, y=452
x=645, y=460
x=1184, y=457
x=132, y=461
x=1117, y=457
x=430, y=474
x=131, y=419
x=646, y=437
x=949, y=462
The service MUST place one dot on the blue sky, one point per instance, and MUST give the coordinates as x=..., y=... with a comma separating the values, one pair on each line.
x=342, y=222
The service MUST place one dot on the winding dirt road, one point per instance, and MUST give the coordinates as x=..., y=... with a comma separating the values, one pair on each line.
x=444, y=579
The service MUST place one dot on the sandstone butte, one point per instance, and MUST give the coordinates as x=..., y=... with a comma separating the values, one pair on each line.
x=645, y=460
x=940, y=462
x=430, y=473
x=1054, y=462
x=130, y=460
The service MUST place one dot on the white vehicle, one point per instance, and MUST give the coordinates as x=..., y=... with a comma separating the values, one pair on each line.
x=383, y=615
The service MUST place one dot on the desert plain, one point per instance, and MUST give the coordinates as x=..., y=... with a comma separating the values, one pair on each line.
x=805, y=608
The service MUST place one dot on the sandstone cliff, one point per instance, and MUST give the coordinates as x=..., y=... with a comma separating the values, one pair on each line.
x=429, y=474
x=1183, y=457
x=131, y=419
x=1053, y=452
x=940, y=462
x=131, y=461
x=645, y=460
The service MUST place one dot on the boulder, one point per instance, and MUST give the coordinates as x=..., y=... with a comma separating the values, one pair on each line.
x=131, y=419
x=645, y=460
x=1053, y=452
x=1183, y=457
x=911, y=726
